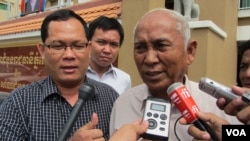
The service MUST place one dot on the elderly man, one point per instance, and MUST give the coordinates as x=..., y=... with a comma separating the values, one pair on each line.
x=163, y=51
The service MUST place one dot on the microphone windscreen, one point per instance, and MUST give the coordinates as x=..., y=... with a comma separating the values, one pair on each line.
x=182, y=99
x=86, y=91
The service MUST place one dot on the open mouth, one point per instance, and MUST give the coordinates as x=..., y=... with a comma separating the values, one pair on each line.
x=69, y=69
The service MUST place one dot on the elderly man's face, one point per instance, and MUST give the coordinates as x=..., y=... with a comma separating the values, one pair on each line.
x=159, y=52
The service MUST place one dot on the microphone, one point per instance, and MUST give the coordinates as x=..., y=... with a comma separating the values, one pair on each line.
x=85, y=92
x=181, y=97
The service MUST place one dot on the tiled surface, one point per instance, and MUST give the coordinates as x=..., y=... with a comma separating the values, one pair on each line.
x=32, y=24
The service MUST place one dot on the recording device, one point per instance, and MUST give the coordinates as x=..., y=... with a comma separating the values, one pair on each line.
x=218, y=90
x=157, y=113
x=85, y=92
x=181, y=97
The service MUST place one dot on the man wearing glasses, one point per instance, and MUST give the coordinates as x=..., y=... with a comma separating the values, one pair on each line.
x=40, y=110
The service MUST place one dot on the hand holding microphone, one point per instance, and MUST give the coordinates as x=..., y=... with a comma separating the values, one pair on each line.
x=234, y=101
x=215, y=122
x=218, y=90
x=181, y=97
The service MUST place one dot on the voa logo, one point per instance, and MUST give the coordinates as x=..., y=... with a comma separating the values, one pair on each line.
x=236, y=132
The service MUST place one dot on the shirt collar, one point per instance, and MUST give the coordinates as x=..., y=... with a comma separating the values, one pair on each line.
x=49, y=88
x=111, y=70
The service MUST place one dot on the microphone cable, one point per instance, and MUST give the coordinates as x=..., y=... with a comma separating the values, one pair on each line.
x=175, y=132
x=199, y=124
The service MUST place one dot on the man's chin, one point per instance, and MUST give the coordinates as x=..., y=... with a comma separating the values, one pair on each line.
x=156, y=86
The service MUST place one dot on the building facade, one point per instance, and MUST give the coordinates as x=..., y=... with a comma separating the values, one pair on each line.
x=221, y=26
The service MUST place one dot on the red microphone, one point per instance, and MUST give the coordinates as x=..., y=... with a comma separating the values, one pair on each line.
x=182, y=99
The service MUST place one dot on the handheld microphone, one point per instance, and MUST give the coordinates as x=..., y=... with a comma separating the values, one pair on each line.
x=181, y=97
x=218, y=90
x=85, y=92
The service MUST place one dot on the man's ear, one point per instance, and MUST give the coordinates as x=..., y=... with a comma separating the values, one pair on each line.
x=89, y=48
x=41, y=49
x=89, y=44
x=191, y=51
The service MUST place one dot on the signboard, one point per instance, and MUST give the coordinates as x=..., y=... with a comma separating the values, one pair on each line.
x=20, y=66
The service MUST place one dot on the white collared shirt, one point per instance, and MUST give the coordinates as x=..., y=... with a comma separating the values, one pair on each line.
x=114, y=77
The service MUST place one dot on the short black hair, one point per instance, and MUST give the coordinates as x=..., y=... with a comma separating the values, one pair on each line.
x=60, y=15
x=105, y=23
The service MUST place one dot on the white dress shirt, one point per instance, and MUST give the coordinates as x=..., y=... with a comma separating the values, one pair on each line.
x=114, y=77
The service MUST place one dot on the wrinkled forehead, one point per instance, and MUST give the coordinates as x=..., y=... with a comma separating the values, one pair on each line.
x=154, y=27
x=156, y=20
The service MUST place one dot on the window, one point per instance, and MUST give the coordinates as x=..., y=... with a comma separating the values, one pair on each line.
x=3, y=6
x=244, y=4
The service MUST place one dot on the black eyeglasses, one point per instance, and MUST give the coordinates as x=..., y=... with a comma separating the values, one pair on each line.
x=61, y=47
